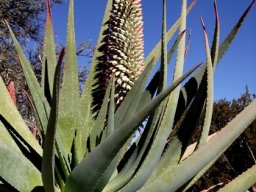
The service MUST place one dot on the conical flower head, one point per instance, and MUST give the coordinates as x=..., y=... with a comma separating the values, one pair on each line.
x=122, y=50
x=12, y=92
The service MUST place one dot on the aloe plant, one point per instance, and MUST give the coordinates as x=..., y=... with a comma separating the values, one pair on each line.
x=87, y=138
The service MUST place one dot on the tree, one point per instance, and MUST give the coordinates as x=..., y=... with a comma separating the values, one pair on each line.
x=26, y=20
x=241, y=154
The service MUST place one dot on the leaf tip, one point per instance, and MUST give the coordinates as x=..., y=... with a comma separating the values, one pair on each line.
x=48, y=10
x=216, y=13
x=202, y=22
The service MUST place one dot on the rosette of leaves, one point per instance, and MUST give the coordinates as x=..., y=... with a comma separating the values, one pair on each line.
x=82, y=152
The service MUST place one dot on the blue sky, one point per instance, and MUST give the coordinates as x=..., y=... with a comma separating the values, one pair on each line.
x=236, y=70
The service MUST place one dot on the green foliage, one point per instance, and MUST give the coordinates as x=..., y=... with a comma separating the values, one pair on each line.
x=87, y=140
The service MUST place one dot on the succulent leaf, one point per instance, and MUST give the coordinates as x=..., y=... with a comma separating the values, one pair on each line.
x=48, y=162
x=14, y=118
x=39, y=100
x=209, y=96
x=49, y=57
x=68, y=119
x=17, y=170
x=242, y=182
x=172, y=179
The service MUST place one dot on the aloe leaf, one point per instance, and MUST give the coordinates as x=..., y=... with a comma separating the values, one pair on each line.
x=69, y=117
x=187, y=45
x=153, y=84
x=95, y=136
x=156, y=51
x=163, y=65
x=14, y=118
x=42, y=107
x=190, y=88
x=168, y=160
x=59, y=146
x=134, y=159
x=6, y=137
x=173, y=179
x=174, y=150
x=209, y=97
x=190, y=149
x=166, y=124
x=194, y=111
x=48, y=163
x=201, y=172
x=96, y=162
x=216, y=37
x=111, y=111
x=49, y=51
x=145, y=101
x=178, y=144
x=126, y=110
x=16, y=168
x=187, y=125
x=86, y=99
x=242, y=182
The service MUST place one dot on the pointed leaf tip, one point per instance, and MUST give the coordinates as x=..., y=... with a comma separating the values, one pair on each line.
x=202, y=22
x=183, y=32
x=197, y=66
x=61, y=56
x=48, y=10
x=216, y=12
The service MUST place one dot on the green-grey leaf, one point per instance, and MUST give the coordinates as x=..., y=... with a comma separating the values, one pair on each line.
x=189, y=90
x=17, y=170
x=14, y=118
x=101, y=119
x=49, y=50
x=242, y=182
x=166, y=124
x=172, y=179
x=111, y=111
x=6, y=137
x=101, y=157
x=209, y=97
x=48, y=163
x=216, y=37
x=156, y=51
x=163, y=65
x=68, y=119
x=42, y=106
